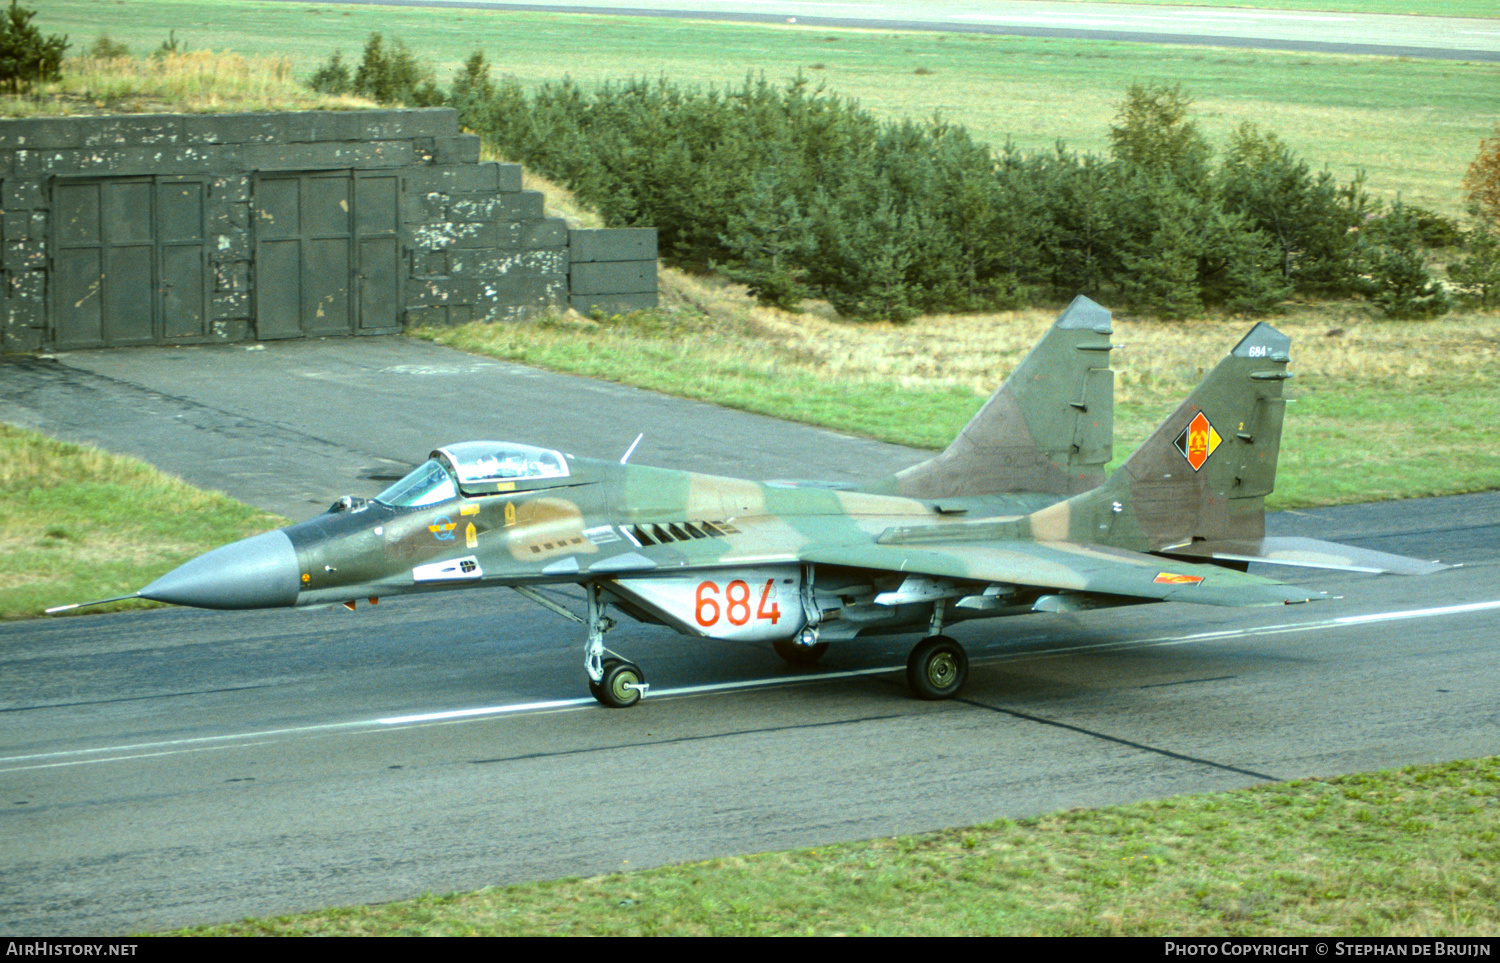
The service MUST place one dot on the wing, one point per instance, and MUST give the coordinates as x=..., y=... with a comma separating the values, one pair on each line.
x=1067, y=566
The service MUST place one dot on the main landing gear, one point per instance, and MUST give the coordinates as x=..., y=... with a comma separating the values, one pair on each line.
x=938, y=666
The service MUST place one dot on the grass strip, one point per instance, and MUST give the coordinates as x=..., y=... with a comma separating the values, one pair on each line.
x=1415, y=8
x=78, y=524
x=1407, y=852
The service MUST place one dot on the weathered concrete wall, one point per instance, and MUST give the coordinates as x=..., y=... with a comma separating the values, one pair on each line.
x=613, y=271
x=205, y=228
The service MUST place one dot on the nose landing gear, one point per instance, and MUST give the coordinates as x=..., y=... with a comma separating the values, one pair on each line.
x=615, y=682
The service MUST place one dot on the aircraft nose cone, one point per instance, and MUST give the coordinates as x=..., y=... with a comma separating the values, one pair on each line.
x=256, y=573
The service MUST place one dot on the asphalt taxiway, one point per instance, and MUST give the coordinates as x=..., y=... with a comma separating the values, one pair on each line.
x=178, y=766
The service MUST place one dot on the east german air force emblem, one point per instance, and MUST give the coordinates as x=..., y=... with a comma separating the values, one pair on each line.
x=1198, y=440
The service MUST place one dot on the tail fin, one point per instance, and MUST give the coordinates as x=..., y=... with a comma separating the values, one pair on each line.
x=1048, y=429
x=1197, y=488
x=1204, y=474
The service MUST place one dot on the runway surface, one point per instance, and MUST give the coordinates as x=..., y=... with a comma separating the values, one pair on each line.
x=177, y=766
x=1448, y=38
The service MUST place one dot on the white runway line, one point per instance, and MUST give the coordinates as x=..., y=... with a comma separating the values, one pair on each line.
x=103, y=754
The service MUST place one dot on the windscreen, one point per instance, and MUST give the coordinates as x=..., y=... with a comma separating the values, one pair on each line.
x=428, y=484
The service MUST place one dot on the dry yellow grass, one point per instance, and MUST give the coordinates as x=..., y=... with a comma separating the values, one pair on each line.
x=200, y=81
x=560, y=202
x=1156, y=362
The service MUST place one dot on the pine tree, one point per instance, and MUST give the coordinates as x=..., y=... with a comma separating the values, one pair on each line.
x=770, y=243
x=1403, y=286
x=26, y=57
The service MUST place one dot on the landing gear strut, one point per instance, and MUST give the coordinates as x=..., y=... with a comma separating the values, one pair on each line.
x=615, y=682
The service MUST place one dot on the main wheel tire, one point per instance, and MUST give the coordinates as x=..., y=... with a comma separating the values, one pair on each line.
x=937, y=668
x=617, y=689
x=793, y=654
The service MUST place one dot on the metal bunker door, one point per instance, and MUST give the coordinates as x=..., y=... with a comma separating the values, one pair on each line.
x=130, y=263
x=327, y=250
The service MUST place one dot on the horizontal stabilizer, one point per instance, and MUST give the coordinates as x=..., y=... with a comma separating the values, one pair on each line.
x=1306, y=553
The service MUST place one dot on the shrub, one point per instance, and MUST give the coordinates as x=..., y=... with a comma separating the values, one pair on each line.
x=1312, y=220
x=769, y=244
x=104, y=48
x=1477, y=275
x=394, y=76
x=1153, y=133
x=1403, y=286
x=472, y=90
x=333, y=77
x=170, y=47
x=1434, y=229
x=1163, y=243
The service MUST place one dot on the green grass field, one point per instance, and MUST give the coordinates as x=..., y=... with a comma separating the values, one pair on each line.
x=1413, y=125
x=78, y=524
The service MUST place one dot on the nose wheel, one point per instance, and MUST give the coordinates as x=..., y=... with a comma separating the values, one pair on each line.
x=622, y=686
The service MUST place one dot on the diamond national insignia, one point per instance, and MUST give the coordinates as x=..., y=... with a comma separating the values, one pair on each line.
x=1198, y=440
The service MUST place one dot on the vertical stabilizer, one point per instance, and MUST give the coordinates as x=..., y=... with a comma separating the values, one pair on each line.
x=1204, y=474
x=1048, y=429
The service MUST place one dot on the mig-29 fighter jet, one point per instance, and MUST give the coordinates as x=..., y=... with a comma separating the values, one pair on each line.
x=1016, y=516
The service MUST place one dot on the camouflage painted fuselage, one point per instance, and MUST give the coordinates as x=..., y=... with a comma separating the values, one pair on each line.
x=708, y=555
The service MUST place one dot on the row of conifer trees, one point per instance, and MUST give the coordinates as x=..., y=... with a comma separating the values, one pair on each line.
x=798, y=192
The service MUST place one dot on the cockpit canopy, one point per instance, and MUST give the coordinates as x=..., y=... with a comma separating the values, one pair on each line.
x=474, y=468
x=485, y=467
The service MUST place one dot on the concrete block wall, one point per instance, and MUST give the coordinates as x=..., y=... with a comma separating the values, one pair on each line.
x=612, y=270
x=470, y=243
